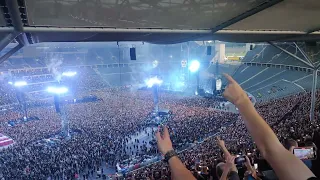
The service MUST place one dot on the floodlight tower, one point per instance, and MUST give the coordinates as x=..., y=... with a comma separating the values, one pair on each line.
x=194, y=68
x=57, y=92
x=154, y=83
x=18, y=86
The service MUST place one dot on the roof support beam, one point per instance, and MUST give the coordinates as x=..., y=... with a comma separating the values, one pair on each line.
x=292, y=55
x=246, y=14
x=313, y=94
x=13, y=9
x=15, y=16
x=6, y=29
x=7, y=39
x=313, y=30
x=112, y=30
x=318, y=67
x=11, y=52
x=304, y=54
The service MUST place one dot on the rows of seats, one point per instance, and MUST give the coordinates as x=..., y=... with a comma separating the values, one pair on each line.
x=270, y=82
x=269, y=54
x=262, y=81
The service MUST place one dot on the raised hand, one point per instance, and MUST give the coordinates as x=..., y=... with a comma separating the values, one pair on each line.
x=248, y=163
x=233, y=92
x=164, y=141
x=229, y=163
x=220, y=142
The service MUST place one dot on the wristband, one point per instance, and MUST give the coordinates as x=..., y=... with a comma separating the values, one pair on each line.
x=169, y=155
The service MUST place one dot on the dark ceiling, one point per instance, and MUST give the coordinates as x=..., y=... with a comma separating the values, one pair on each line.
x=159, y=21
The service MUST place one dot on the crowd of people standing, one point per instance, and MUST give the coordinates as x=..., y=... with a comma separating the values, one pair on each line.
x=108, y=124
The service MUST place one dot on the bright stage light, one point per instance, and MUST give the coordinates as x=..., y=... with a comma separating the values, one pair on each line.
x=57, y=90
x=155, y=63
x=69, y=73
x=194, y=66
x=153, y=81
x=20, y=83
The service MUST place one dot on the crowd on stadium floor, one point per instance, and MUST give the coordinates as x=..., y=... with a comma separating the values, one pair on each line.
x=238, y=140
x=107, y=125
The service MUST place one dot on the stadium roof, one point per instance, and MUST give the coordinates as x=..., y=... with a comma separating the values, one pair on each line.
x=159, y=21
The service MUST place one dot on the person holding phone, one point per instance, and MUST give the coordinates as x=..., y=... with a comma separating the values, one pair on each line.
x=229, y=169
x=294, y=148
x=251, y=173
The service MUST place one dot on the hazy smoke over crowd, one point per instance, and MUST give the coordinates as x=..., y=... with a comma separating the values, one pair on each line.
x=53, y=64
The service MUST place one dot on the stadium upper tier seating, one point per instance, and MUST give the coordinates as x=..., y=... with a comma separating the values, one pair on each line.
x=270, y=54
x=273, y=82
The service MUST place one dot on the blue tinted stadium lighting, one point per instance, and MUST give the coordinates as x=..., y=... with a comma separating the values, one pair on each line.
x=69, y=73
x=194, y=66
x=57, y=90
x=10, y=82
x=153, y=81
x=20, y=83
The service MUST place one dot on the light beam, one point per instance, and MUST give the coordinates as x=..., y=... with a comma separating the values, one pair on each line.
x=57, y=90
x=194, y=66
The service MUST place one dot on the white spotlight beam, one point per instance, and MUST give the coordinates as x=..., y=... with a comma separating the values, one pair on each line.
x=20, y=83
x=57, y=90
x=69, y=73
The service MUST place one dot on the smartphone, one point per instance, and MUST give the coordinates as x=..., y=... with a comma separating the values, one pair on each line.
x=239, y=160
x=255, y=166
x=305, y=153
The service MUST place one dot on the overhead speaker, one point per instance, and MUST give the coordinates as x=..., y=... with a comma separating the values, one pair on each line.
x=208, y=50
x=251, y=47
x=133, y=54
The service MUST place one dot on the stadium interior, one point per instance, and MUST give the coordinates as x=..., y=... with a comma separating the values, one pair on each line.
x=86, y=84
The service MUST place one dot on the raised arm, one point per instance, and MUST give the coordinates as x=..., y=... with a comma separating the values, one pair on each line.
x=223, y=148
x=225, y=151
x=227, y=167
x=177, y=168
x=285, y=164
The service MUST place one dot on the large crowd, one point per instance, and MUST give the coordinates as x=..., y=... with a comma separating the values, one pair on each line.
x=107, y=125
x=288, y=117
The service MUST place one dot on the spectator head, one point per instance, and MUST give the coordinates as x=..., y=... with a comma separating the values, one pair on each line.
x=290, y=143
x=219, y=169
